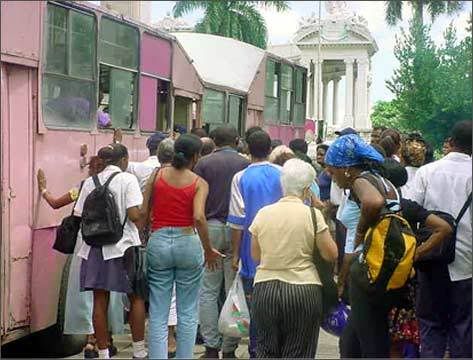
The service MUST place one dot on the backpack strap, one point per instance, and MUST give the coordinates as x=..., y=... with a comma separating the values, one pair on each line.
x=96, y=181
x=75, y=202
x=110, y=178
x=464, y=208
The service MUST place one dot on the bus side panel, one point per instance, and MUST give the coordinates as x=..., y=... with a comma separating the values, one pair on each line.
x=285, y=132
x=17, y=191
x=46, y=279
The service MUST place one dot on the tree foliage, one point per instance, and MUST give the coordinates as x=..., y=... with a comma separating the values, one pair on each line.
x=385, y=113
x=432, y=85
x=239, y=20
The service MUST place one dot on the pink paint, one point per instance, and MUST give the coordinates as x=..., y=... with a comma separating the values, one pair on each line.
x=21, y=30
x=156, y=56
x=148, y=103
x=284, y=132
x=257, y=88
x=184, y=77
x=47, y=270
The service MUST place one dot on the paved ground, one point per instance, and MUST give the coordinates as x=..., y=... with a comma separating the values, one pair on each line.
x=327, y=348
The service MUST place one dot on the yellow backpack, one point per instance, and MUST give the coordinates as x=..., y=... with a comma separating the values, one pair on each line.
x=388, y=253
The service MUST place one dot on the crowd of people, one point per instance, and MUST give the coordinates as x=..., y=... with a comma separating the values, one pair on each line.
x=204, y=209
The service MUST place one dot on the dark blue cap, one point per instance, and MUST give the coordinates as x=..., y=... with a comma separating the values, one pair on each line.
x=153, y=141
x=346, y=131
x=180, y=129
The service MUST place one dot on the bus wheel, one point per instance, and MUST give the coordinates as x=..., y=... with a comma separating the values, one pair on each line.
x=65, y=345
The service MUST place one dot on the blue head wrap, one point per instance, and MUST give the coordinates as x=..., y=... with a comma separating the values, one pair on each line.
x=351, y=150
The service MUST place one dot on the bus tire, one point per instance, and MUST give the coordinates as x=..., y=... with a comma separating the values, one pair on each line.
x=65, y=345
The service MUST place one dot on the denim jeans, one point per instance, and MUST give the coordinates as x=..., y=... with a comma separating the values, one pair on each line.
x=174, y=255
x=211, y=289
x=248, y=288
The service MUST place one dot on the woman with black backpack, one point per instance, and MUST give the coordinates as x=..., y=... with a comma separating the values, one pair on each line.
x=109, y=205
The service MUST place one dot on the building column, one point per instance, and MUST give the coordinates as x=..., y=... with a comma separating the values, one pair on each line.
x=362, y=94
x=317, y=86
x=348, y=121
x=335, y=121
x=324, y=101
x=309, y=95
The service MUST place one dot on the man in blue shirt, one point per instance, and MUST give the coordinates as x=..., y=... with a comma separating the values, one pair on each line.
x=253, y=188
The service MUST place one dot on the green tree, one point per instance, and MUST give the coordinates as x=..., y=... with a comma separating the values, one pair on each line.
x=434, y=8
x=239, y=20
x=385, y=113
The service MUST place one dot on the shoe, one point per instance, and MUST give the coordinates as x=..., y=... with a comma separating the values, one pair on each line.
x=210, y=353
x=90, y=351
x=229, y=355
x=171, y=355
x=199, y=340
x=112, y=350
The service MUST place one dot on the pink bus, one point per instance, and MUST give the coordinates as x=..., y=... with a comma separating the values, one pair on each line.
x=61, y=62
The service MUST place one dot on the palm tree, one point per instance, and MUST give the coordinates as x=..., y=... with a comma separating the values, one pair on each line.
x=239, y=20
x=434, y=8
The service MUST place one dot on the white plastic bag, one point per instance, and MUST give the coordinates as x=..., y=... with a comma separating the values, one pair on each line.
x=234, y=318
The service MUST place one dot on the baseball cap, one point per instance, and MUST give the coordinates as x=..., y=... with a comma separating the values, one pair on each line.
x=153, y=141
x=346, y=131
x=180, y=129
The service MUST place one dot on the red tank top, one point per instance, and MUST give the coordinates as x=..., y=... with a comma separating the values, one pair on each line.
x=172, y=206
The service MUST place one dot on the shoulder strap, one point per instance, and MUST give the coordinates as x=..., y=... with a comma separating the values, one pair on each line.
x=110, y=178
x=464, y=208
x=75, y=202
x=96, y=181
x=314, y=224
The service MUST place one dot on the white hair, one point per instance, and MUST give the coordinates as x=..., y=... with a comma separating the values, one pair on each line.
x=297, y=175
x=165, y=151
x=279, y=151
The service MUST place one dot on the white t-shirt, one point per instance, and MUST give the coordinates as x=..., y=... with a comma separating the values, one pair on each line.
x=126, y=190
x=143, y=170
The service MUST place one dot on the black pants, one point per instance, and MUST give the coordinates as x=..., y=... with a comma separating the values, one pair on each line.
x=366, y=334
x=340, y=237
x=287, y=319
x=443, y=309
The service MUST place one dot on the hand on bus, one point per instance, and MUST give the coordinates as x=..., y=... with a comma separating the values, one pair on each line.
x=41, y=180
x=211, y=257
x=117, y=136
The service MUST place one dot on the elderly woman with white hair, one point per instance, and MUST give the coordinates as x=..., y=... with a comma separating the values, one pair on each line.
x=287, y=298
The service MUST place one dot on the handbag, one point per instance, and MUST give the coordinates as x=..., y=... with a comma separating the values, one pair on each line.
x=325, y=271
x=66, y=234
x=445, y=252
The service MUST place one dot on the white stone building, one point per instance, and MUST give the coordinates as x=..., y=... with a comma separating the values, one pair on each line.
x=346, y=48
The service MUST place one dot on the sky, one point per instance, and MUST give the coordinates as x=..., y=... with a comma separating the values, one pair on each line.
x=283, y=26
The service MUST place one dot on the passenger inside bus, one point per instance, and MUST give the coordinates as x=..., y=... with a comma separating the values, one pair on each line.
x=103, y=118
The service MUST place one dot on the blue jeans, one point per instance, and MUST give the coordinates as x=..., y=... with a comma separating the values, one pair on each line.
x=174, y=255
x=220, y=238
x=248, y=287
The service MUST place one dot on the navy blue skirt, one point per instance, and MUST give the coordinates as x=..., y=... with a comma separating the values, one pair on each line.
x=110, y=275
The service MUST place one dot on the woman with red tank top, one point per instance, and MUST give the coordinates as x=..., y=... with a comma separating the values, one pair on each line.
x=175, y=253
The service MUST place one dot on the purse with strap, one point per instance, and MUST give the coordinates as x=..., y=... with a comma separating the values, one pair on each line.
x=66, y=233
x=325, y=271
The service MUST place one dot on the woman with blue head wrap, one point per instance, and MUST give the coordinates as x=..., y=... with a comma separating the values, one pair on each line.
x=353, y=165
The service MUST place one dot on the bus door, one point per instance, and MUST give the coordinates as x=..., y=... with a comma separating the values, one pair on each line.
x=18, y=95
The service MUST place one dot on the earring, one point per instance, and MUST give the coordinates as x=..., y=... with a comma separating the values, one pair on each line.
x=347, y=174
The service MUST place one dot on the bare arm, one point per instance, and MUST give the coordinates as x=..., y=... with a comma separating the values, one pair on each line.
x=134, y=214
x=441, y=229
x=55, y=203
x=146, y=205
x=236, y=241
x=371, y=203
x=326, y=245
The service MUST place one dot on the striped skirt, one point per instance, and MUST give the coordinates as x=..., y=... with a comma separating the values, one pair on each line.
x=287, y=319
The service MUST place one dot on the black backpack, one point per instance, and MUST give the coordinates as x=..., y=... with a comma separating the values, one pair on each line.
x=101, y=224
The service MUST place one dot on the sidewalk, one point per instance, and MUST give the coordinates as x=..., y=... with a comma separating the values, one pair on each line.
x=327, y=348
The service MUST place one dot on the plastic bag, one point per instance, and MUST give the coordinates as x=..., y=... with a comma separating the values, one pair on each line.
x=234, y=318
x=335, y=322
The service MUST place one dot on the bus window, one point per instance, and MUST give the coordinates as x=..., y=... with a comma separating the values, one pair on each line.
x=286, y=103
x=299, y=91
x=163, y=106
x=213, y=108
x=118, y=67
x=271, y=107
x=68, y=95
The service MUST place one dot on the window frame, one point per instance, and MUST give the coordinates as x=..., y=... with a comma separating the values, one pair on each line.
x=45, y=73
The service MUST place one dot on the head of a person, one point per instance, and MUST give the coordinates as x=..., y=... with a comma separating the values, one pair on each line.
x=199, y=132
x=460, y=137
x=166, y=151
x=347, y=156
x=296, y=178
x=281, y=154
x=178, y=130
x=187, y=150
x=379, y=149
x=208, y=146
x=242, y=147
x=259, y=145
x=96, y=165
x=376, y=134
x=394, y=172
x=413, y=150
x=275, y=143
x=298, y=146
x=321, y=151
x=114, y=154
x=252, y=130
x=225, y=136
x=390, y=141
x=153, y=142
x=446, y=147
x=346, y=131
